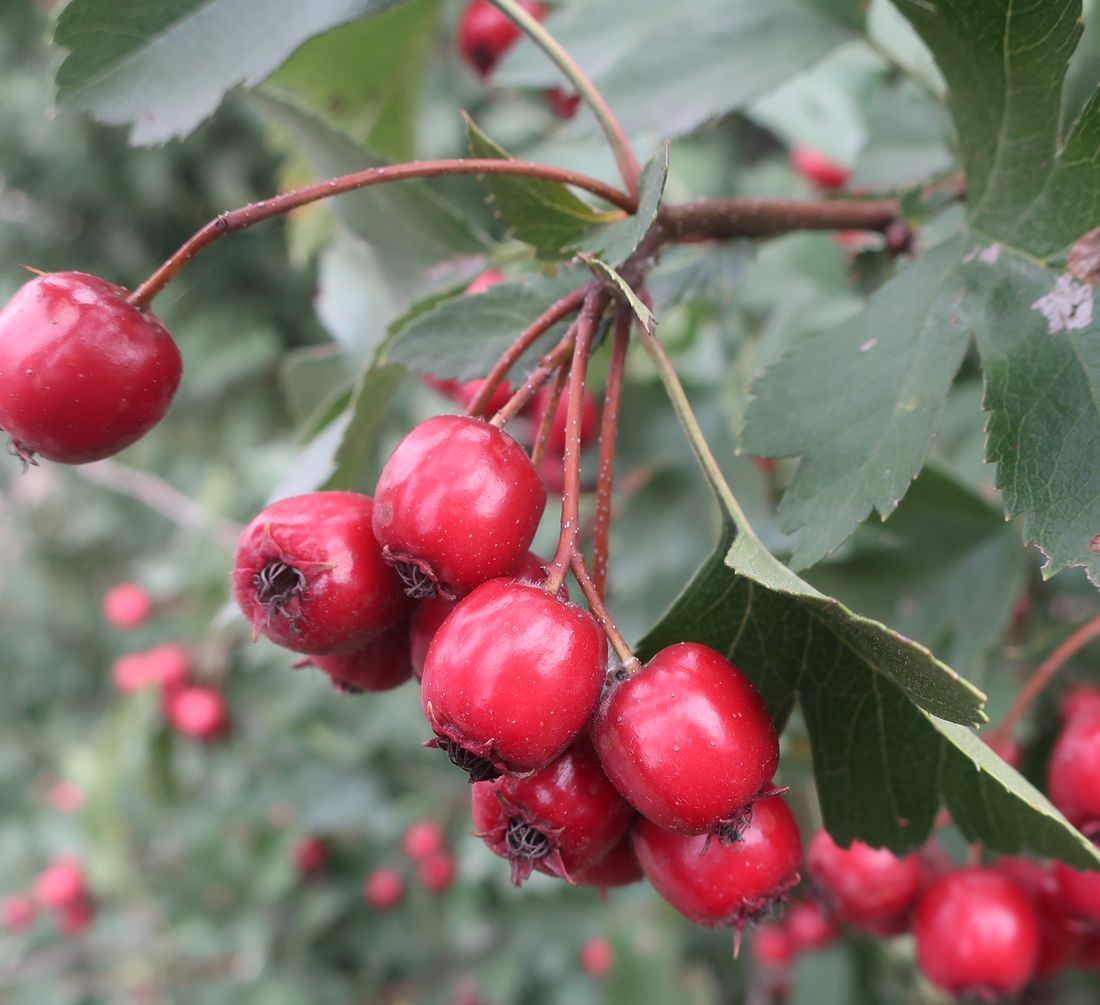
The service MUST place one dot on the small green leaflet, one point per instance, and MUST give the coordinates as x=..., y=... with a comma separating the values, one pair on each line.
x=616, y=242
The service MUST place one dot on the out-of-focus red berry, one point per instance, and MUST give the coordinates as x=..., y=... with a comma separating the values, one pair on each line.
x=384, y=889
x=127, y=606
x=818, y=169
x=597, y=957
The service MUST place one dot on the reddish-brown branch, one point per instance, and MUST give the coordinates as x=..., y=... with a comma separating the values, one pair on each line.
x=246, y=216
x=599, y=611
x=556, y=357
x=753, y=217
x=546, y=420
x=609, y=429
x=550, y=317
x=593, y=307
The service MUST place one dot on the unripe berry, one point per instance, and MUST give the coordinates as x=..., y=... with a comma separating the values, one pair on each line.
x=127, y=606
x=384, y=889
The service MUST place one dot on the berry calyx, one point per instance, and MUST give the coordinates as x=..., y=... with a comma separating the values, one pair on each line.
x=868, y=887
x=83, y=373
x=597, y=957
x=559, y=820
x=485, y=34
x=436, y=872
x=1073, y=772
x=197, y=712
x=127, y=606
x=718, y=885
x=384, y=889
x=310, y=856
x=688, y=741
x=511, y=678
x=310, y=575
x=381, y=665
x=818, y=169
x=977, y=934
x=423, y=839
x=60, y=884
x=457, y=504
x=17, y=911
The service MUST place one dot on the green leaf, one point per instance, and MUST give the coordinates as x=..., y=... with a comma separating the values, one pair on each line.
x=603, y=271
x=463, y=337
x=310, y=378
x=365, y=416
x=544, y=214
x=366, y=77
x=616, y=242
x=162, y=66
x=669, y=68
x=869, y=396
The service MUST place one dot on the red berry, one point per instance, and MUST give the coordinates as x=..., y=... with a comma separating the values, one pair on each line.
x=83, y=373
x=127, y=606
x=818, y=169
x=310, y=575
x=597, y=957
x=72, y=919
x=559, y=820
x=512, y=676
x=563, y=104
x=310, y=856
x=382, y=664
x=61, y=883
x=688, y=741
x=1080, y=893
x=131, y=672
x=765, y=465
x=867, y=886
x=457, y=503
x=65, y=797
x=464, y=392
x=619, y=867
x=17, y=911
x=976, y=934
x=436, y=872
x=1058, y=938
x=555, y=440
x=809, y=924
x=1073, y=773
x=714, y=884
x=1079, y=698
x=383, y=889
x=198, y=712
x=485, y=34
x=772, y=945
x=168, y=665
x=490, y=277
x=423, y=839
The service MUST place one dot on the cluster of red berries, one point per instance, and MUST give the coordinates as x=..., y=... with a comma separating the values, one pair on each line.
x=425, y=846
x=61, y=889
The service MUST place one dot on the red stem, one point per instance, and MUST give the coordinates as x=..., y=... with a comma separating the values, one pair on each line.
x=593, y=307
x=630, y=662
x=246, y=216
x=546, y=420
x=540, y=375
x=550, y=317
x=609, y=429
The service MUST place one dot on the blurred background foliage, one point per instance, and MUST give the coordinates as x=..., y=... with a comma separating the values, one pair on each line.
x=189, y=849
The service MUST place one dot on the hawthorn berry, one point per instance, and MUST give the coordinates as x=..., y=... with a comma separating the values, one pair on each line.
x=511, y=677
x=72, y=919
x=65, y=797
x=457, y=504
x=131, y=672
x=869, y=887
x=619, y=867
x=715, y=884
x=772, y=945
x=1073, y=772
x=384, y=889
x=422, y=839
x=1059, y=939
x=60, y=884
x=563, y=103
x=490, y=277
x=17, y=911
x=127, y=606
x=310, y=575
x=436, y=872
x=197, y=712
x=818, y=169
x=485, y=34
x=1080, y=893
x=809, y=924
x=555, y=440
x=382, y=664
x=168, y=665
x=83, y=372
x=688, y=741
x=597, y=957
x=1079, y=698
x=463, y=393
x=977, y=934
x=559, y=820
x=310, y=856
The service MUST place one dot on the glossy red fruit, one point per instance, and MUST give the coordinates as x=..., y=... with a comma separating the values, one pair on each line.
x=17, y=911
x=563, y=104
x=1059, y=939
x=381, y=665
x=977, y=934
x=423, y=839
x=61, y=883
x=457, y=504
x=818, y=169
x=555, y=441
x=464, y=392
x=485, y=34
x=511, y=678
x=559, y=820
x=310, y=575
x=384, y=889
x=72, y=919
x=131, y=672
x=436, y=872
x=310, y=856
x=1080, y=893
x=127, y=606
x=1079, y=698
x=197, y=712
x=810, y=925
x=718, y=885
x=1073, y=772
x=168, y=665
x=83, y=373
x=688, y=741
x=867, y=886
x=772, y=945
x=619, y=867
x=597, y=957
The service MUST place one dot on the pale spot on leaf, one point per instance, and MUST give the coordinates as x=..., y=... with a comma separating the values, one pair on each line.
x=1068, y=305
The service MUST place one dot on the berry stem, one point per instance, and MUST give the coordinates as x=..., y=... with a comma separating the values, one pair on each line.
x=546, y=420
x=593, y=307
x=613, y=130
x=609, y=428
x=555, y=358
x=551, y=316
x=630, y=662
x=285, y=202
x=1042, y=676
